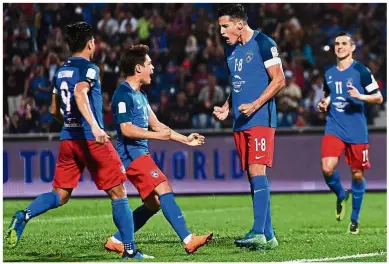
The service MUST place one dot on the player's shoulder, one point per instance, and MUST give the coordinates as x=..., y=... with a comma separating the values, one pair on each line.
x=262, y=39
x=329, y=68
x=362, y=69
x=122, y=93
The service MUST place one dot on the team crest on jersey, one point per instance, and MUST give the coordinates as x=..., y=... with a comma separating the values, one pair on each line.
x=249, y=56
x=349, y=81
x=154, y=174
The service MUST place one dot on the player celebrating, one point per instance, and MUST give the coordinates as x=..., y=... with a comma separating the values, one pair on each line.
x=348, y=85
x=257, y=76
x=133, y=115
x=77, y=105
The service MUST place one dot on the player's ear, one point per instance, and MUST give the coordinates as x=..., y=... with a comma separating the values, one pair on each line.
x=138, y=68
x=353, y=47
x=240, y=25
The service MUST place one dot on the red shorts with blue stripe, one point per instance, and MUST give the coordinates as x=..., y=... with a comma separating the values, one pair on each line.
x=102, y=162
x=357, y=155
x=145, y=175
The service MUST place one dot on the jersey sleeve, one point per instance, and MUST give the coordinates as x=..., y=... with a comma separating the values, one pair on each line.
x=268, y=50
x=124, y=109
x=368, y=82
x=89, y=74
x=53, y=83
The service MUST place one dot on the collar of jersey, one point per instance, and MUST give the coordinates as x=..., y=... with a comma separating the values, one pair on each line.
x=256, y=32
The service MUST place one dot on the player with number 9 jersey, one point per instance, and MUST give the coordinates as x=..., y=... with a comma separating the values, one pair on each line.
x=73, y=71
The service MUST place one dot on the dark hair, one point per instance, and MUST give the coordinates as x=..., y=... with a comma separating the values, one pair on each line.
x=346, y=34
x=233, y=11
x=77, y=35
x=131, y=57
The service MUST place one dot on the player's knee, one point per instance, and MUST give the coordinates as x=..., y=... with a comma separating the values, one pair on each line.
x=327, y=169
x=256, y=169
x=163, y=188
x=117, y=192
x=152, y=203
x=357, y=175
x=64, y=195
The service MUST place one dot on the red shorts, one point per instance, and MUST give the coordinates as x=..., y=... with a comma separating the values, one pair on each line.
x=356, y=154
x=255, y=146
x=145, y=175
x=102, y=162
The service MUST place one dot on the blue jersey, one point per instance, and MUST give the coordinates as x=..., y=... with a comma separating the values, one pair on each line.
x=76, y=70
x=133, y=107
x=346, y=118
x=247, y=66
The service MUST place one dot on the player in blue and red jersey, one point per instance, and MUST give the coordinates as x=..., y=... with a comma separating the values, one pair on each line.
x=133, y=115
x=77, y=105
x=348, y=85
x=257, y=76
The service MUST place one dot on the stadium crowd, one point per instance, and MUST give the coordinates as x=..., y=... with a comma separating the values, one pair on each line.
x=190, y=75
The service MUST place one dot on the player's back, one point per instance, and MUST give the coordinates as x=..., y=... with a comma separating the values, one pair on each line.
x=129, y=106
x=247, y=65
x=346, y=116
x=73, y=71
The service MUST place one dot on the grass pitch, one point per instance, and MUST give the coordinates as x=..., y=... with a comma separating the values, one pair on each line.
x=305, y=227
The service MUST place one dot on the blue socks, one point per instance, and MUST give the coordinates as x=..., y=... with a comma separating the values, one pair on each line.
x=334, y=183
x=122, y=216
x=269, y=231
x=141, y=215
x=358, y=191
x=41, y=204
x=261, y=202
x=173, y=214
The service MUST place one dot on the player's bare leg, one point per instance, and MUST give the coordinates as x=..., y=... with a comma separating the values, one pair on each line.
x=261, y=236
x=40, y=205
x=358, y=187
x=331, y=176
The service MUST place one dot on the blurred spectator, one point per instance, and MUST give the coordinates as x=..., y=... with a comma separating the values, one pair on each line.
x=210, y=96
x=40, y=86
x=46, y=119
x=108, y=25
x=289, y=96
x=201, y=76
x=14, y=76
x=180, y=112
x=163, y=112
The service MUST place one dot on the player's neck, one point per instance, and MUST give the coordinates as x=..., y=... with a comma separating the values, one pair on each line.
x=81, y=54
x=247, y=34
x=134, y=82
x=345, y=63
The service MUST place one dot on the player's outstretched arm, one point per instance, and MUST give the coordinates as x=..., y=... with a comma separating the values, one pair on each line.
x=55, y=108
x=131, y=131
x=81, y=96
x=193, y=139
x=277, y=83
x=374, y=98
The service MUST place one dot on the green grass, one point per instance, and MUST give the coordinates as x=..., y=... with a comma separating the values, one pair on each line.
x=305, y=225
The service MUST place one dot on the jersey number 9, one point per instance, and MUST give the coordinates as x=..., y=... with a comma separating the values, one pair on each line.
x=65, y=94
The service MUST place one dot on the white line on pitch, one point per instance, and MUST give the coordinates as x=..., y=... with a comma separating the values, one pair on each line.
x=340, y=257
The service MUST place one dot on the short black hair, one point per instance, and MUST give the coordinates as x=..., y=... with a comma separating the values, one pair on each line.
x=233, y=11
x=131, y=57
x=77, y=35
x=346, y=34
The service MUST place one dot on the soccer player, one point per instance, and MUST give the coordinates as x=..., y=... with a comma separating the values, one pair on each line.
x=257, y=76
x=133, y=115
x=77, y=105
x=348, y=85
